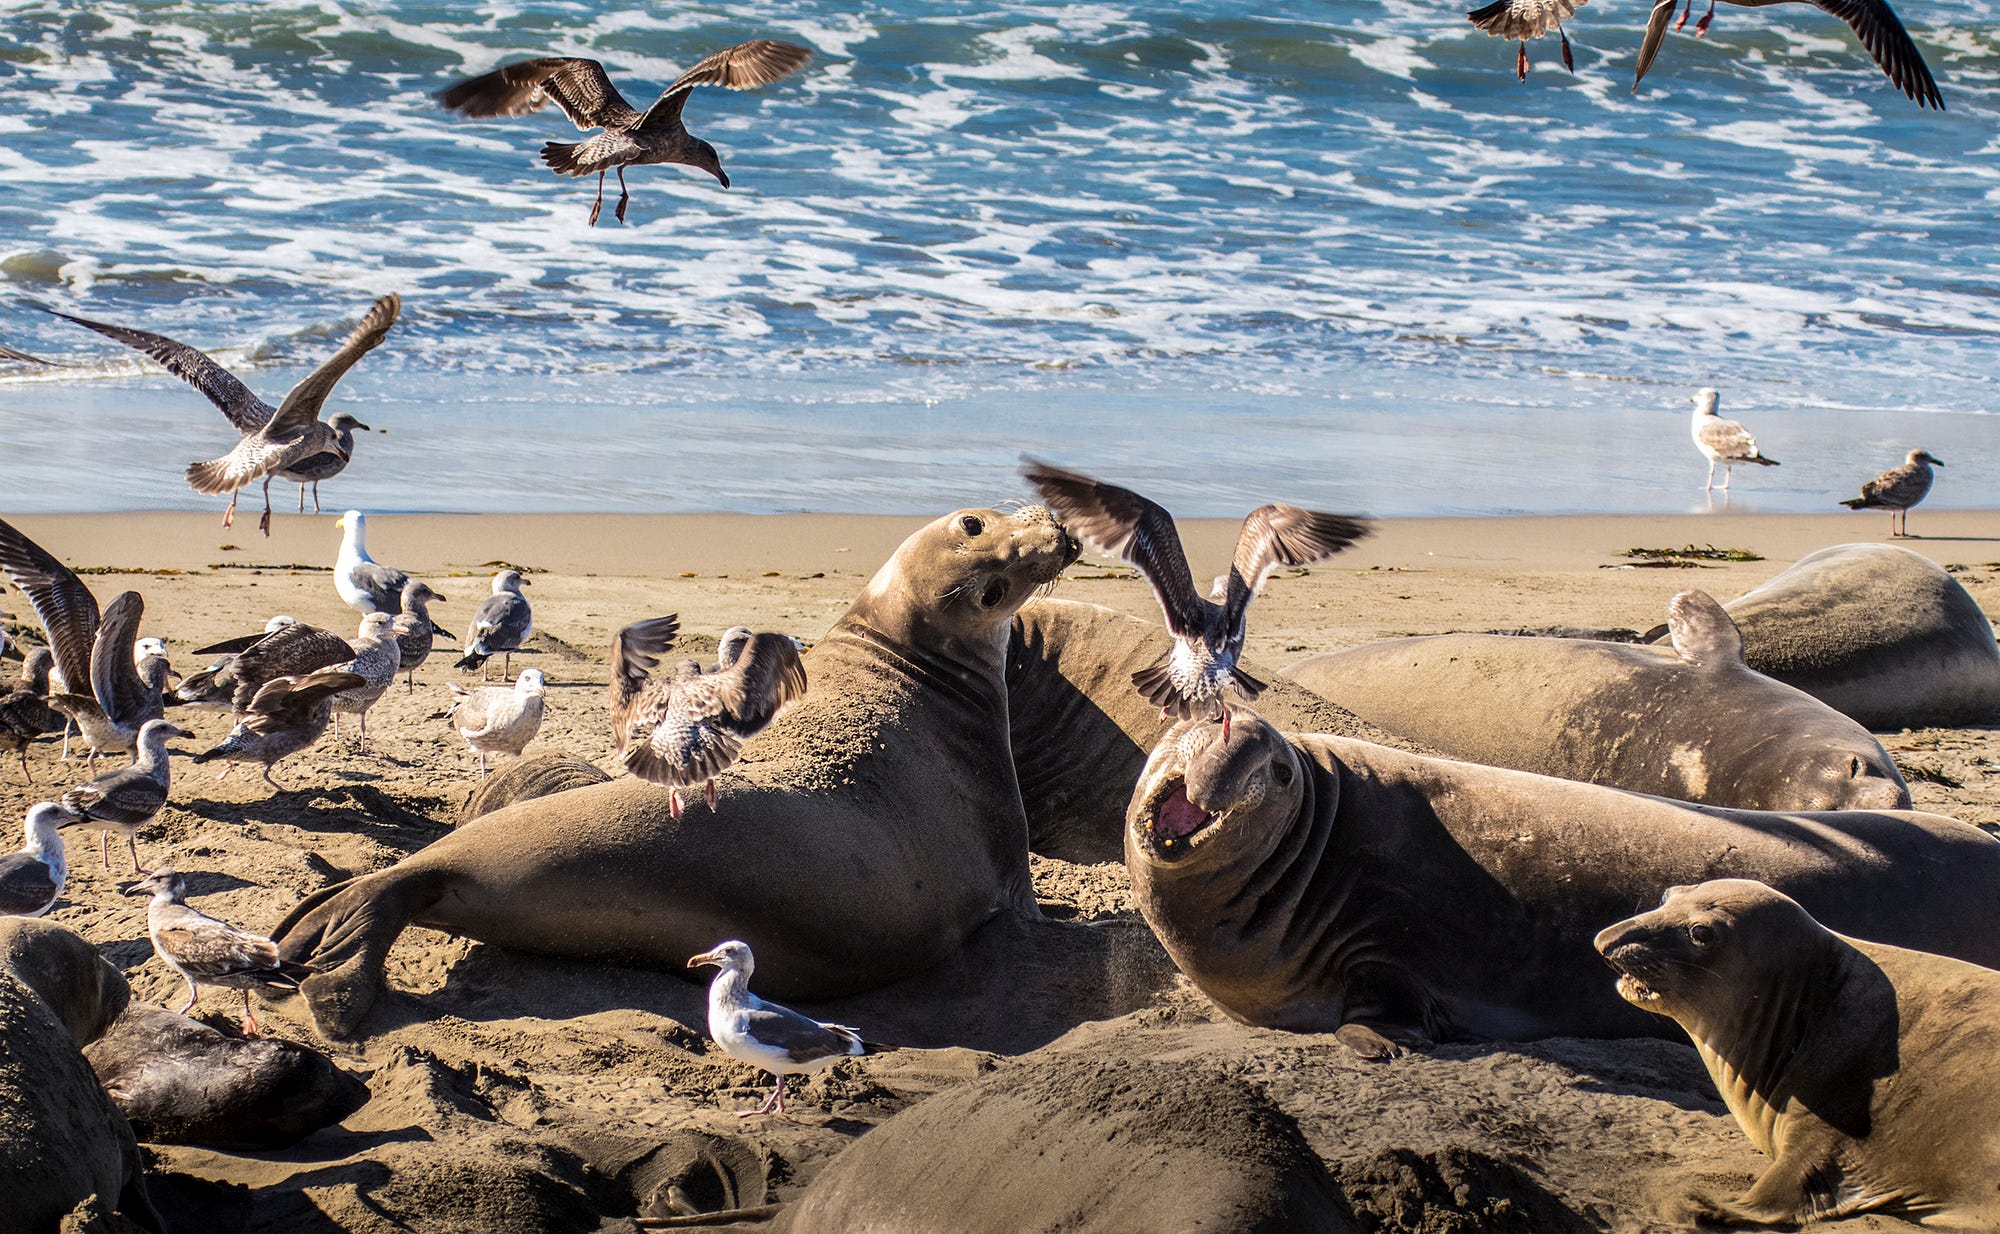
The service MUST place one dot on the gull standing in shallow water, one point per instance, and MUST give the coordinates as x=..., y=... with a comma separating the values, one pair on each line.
x=32, y=878
x=630, y=137
x=1722, y=441
x=499, y=626
x=778, y=1039
x=1208, y=634
x=499, y=720
x=274, y=439
x=1897, y=489
x=207, y=951
x=127, y=799
x=689, y=726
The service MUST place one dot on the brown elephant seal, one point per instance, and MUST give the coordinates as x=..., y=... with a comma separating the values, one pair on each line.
x=1081, y=732
x=862, y=838
x=1318, y=883
x=1878, y=632
x=529, y=777
x=1691, y=721
x=1083, y=1145
x=178, y=1081
x=79, y=986
x=1863, y=1071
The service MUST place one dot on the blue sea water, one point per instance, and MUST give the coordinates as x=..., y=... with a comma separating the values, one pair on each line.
x=1340, y=256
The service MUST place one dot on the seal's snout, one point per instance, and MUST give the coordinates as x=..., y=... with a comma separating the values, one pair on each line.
x=1627, y=948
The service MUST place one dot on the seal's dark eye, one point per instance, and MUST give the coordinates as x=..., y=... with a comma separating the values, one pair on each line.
x=1854, y=767
x=994, y=590
x=1701, y=935
x=1282, y=773
x=973, y=526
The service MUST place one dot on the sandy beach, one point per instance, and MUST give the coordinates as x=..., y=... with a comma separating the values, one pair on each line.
x=519, y=1093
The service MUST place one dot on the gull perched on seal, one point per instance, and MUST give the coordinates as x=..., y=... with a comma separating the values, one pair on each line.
x=1208, y=634
x=499, y=626
x=274, y=439
x=130, y=797
x=366, y=585
x=630, y=137
x=1897, y=489
x=205, y=950
x=778, y=1039
x=1722, y=441
x=688, y=727
x=284, y=716
x=32, y=877
x=498, y=720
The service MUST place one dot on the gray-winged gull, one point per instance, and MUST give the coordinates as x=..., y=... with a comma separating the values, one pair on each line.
x=364, y=583
x=778, y=1039
x=326, y=464
x=273, y=439
x=121, y=698
x=286, y=715
x=25, y=713
x=205, y=950
x=127, y=799
x=630, y=137
x=1208, y=634
x=688, y=726
x=416, y=633
x=32, y=877
x=1722, y=441
x=65, y=607
x=1897, y=489
x=499, y=626
x=499, y=720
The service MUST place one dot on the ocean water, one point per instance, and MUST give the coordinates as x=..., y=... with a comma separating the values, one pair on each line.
x=1340, y=257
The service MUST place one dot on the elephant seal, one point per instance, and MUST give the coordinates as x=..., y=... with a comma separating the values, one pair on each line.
x=1317, y=883
x=178, y=1081
x=1692, y=721
x=1081, y=732
x=1863, y=1071
x=1878, y=632
x=1085, y=1145
x=862, y=839
x=79, y=986
x=529, y=777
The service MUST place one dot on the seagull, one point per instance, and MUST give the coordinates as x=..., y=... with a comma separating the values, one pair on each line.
x=630, y=138
x=243, y=642
x=778, y=1039
x=121, y=700
x=328, y=463
x=65, y=607
x=1897, y=489
x=415, y=631
x=496, y=720
x=1723, y=441
x=273, y=440
x=207, y=951
x=1208, y=634
x=501, y=624
x=25, y=713
x=367, y=586
x=375, y=661
x=291, y=650
x=688, y=727
x=286, y=716
x=1528, y=19
x=130, y=797
x=32, y=877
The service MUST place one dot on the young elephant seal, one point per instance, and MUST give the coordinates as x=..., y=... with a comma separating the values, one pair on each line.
x=1322, y=884
x=864, y=837
x=1863, y=1071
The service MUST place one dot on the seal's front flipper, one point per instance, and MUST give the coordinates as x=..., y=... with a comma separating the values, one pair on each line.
x=1702, y=631
x=344, y=932
x=1380, y=1044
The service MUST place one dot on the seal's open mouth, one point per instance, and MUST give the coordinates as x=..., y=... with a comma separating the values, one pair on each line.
x=1633, y=990
x=1176, y=821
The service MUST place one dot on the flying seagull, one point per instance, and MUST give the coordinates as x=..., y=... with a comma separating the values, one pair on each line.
x=630, y=137
x=1208, y=634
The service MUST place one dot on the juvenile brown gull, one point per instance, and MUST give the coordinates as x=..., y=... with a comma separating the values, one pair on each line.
x=630, y=137
x=365, y=584
x=375, y=661
x=1208, y=634
x=766, y=1035
x=65, y=607
x=1897, y=489
x=32, y=877
x=285, y=716
x=326, y=464
x=1722, y=441
x=127, y=799
x=499, y=626
x=25, y=713
x=415, y=631
x=290, y=650
x=205, y=950
x=122, y=698
x=499, y=720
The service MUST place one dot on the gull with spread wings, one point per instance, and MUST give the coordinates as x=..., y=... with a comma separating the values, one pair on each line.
x=630, y=137
x=1208, y=634
x=275, y=440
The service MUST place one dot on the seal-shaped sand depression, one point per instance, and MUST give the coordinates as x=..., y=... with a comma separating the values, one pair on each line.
x=887, y=816
x=1863, y=1071
x=1317, y=883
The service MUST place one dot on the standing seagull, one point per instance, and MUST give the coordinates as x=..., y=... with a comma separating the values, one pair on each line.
x=1897, y=489
x=286, y=715
x=121, y=699
x=376, y=659
x=689, y=727
x=328, y=463
x=25, y=713
x=291, y=650
x=496, y=720
x=32, y=877
x=130, y=797
x=1208, y=634
x=1723, y=441
x=778, y=1039
x=208, y=951
x=415, y=631
x=273, y=440
x=501, y=624
x=366, y=585
x=630, y=137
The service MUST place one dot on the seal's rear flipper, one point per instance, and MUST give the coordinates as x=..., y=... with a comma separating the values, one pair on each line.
x=344, y=933
x=1702, y=630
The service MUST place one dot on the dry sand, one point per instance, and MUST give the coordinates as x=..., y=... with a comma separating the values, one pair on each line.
x=514, y=1093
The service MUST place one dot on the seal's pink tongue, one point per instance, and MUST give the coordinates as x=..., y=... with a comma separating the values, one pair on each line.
x=1179, y=816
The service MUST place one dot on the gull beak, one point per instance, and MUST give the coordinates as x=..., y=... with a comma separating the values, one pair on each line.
x=340, y=524
x=706, y=957
x=143, y=887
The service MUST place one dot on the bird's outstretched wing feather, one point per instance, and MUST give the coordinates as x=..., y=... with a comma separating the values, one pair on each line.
x=745, y=66
x=245, y=410
x=579, y=86
x=1121, y=523
x=309, y=395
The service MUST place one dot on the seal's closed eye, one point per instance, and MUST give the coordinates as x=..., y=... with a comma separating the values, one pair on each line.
x=972, y=524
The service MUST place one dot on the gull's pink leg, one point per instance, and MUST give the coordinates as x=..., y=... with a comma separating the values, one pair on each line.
x=1684, y=15
x=675, y=805
x=229, y=515
x=193, y=994
x=597, y=207
x=249, y=1021
x=708, y=795
x=1701, y=27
